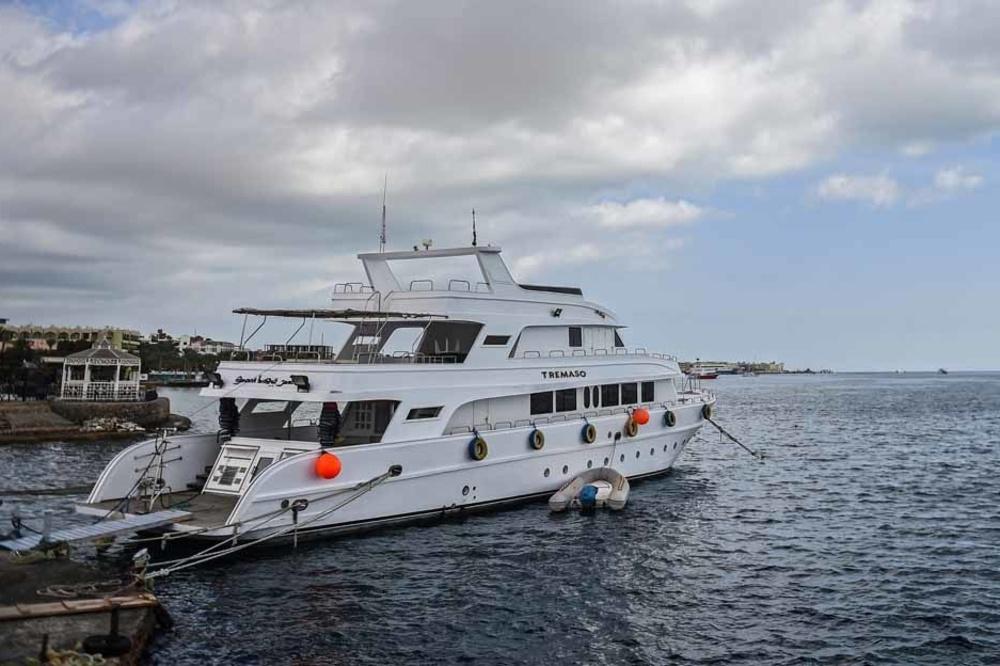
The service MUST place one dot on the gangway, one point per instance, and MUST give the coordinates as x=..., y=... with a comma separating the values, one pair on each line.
x=99, y=530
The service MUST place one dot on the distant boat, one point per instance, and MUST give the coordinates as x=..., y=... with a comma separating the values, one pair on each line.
x=704, y=374
x=942, y=371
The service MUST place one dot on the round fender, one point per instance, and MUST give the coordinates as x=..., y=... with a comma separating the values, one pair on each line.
x=589, y=433
x=631, y=427
x=478, y=449
x=669, y=419
x=536, y=439
x=706, y=412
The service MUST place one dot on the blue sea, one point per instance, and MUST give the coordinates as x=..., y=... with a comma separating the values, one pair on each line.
x=869, y=534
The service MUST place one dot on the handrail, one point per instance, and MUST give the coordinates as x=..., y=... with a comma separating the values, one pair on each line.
x=468, y=286
x=430, y=282
x=352, y=288
x=598, y=351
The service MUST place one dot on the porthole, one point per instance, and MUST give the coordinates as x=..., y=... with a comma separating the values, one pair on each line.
x=609, y=434
x=606, y=461
x=636, y=454
x=651, y=452
x=590, y=463
x=546, y=472
x=623, y=458
x=664, y=447
x=675, y=445
x=565, y=469
x=465, y=490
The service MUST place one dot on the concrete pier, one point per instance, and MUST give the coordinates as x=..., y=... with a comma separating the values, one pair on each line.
x=60, y=420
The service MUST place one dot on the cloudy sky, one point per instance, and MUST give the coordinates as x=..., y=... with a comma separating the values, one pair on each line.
x=810, y=182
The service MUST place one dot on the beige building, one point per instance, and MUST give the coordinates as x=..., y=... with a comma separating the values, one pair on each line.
x=47, y=338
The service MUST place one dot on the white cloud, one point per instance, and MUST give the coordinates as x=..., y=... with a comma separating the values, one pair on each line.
x=955, y=179
x=648, y=213
x=269, y=126
x=880, y=190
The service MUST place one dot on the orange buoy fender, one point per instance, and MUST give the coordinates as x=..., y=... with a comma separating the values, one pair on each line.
x=327, y=465
x=641, y=416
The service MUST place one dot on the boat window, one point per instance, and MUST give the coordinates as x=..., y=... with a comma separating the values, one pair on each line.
x=575, y=336
x=365, y=421
x=449, y=342
x=618, y=340
x=541, y=403
x=262, y=464
x=423, y=413
x=630, y=393
x=566, y=400
x=586, y=397
x=609, y=395
x=269, y=406
x=595, y=397
x=499, y=340
x=648, y=392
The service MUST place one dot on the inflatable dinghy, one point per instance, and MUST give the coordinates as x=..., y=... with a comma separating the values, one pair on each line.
x=593, y=489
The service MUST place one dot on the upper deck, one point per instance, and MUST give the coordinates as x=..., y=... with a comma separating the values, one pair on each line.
x=493, y=292
x=444, y=320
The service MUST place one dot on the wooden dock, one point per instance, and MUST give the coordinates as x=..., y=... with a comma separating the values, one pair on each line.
x=41, y=611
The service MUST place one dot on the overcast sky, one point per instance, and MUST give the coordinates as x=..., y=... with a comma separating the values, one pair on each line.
x=808, y=182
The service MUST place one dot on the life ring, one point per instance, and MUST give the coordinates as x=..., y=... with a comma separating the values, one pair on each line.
x=478, y=449
x=631, y=427
x=589, y=433
x=536, y=439
x=706, y=412
x=669, y=419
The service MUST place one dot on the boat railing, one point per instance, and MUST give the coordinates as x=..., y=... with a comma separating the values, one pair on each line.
x=597, y=351
x=584, y=416
x=352, y=288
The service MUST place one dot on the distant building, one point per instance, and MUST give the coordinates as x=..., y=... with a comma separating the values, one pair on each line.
x=47, y=338
x=202, y=345
x=161, y=336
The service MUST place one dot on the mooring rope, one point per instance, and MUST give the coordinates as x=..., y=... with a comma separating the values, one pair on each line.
x=755, y=454
x=207, y=555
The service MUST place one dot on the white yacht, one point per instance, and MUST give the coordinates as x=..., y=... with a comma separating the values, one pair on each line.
x=501, y=392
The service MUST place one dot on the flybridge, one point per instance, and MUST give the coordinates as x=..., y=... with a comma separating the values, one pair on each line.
x=496, y=277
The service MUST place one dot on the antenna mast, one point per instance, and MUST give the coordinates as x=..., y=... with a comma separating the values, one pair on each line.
x=473, y=227
x=381, y=237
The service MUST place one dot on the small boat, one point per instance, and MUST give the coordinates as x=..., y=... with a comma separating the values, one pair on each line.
x=942, y=371
x=593, y=489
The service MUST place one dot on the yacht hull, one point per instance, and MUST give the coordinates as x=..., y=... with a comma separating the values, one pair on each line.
x=513, y=473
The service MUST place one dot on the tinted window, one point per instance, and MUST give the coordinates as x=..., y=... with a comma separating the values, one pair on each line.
x=566, y=400
x=618, y=340
x=496, y=340
x=575, y=336
x=541, y=403
x=630, y=393
x=423, y=413
x=586, y=396
x=609, y=395
x=648, y=394
x=596, y=396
